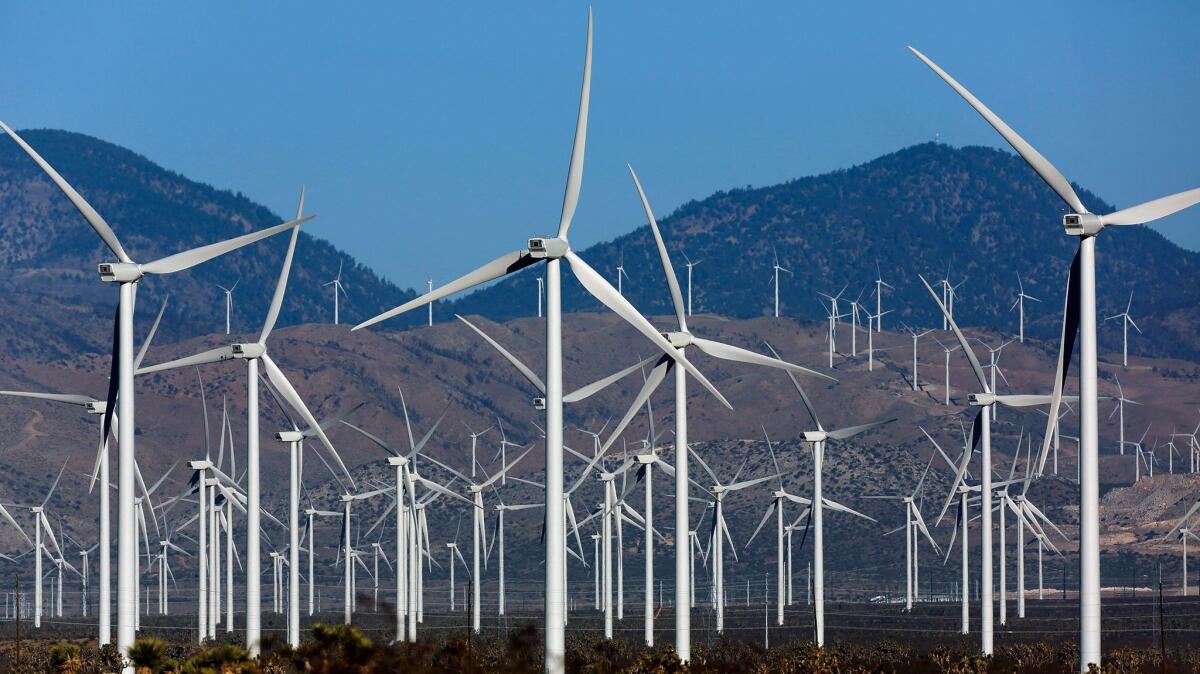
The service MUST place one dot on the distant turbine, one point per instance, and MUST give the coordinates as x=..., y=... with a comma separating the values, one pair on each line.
x=621, y=272
x=690, y=265
x=1019, y=304
x=880, y=284
x=1126, y=321
x=338, y=289
x=429, y=283
x=229, y=304
x=1120, y=408
x=776, y=267
x=915, y=338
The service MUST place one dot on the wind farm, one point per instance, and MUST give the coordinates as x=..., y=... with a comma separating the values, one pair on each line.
x=755, y=430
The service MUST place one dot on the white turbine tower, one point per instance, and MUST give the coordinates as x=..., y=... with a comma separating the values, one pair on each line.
x=229, y=304
x=1119, y=410
x=254, y=353
x=680, y=340
x=916, y=337
x=880, y=284
x=338, y=289
x=127, y=273
x=1126, y=321
x=621, y=272
x=1081, y=318
x=776, y=268
x=1019, y=305
x=946, y=351
x=690, y=265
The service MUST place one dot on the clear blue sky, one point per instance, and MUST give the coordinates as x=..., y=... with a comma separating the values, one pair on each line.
x=430, y=131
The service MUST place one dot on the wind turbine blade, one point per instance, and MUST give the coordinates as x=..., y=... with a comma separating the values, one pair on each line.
x=137, y=362
x=575, y=169
x=1040, y=164
x=601, y=384
x=501, y=266
x=672, y=280
x=850, y=431
x=435, y=487
x=85, y=209
x=763, y=521
x=1070, y=330
x=738, y=354
x=738, y=486
x=195, y=256
x=373, y=438
x=507, y=468
x=217, y=355
x=1153, y=210
x=925, y=530
x=958, y=476
x=69, y=398
x=428, y=434
x=521, y=367
x=289, y=394
x=834, y=505
x=656, y=376
x=600, y=288
x=8, y=516
x=54, y=486
x=962, y=341
x=799, y=389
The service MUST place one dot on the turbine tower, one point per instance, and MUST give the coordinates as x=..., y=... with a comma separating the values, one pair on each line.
x=1019, y=305
x=338, y=290
x=690, y=265
x=229, y=304
x=776, y=267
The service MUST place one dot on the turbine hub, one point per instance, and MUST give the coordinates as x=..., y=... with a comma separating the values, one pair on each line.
x=119, y=272
x=548, y=248
x=1082, y=224
x=678, y=340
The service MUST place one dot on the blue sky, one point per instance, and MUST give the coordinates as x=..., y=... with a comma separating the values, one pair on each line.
x=434, y=136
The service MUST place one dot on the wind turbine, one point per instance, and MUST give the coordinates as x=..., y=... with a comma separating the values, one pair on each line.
x=229, y=304
x=946, y=351
x=338, y=289
x=429, y=283
x=42, y=524
x=1019, y=305
x=993, y=366
x=621, y=272
x=1120, y=408
x=912, y=520
x=127, y=273
x=880, y=284
x=871, y=340
x=501, y=508
x=253, y=353
x=1081, y=318
x=690, y=265
x=1126, y=321
x=776, y=268
x=719, y=532
x=817, y=440
x=474, y=440
x=1184, y=533
x=680, y=340
x=916, y=336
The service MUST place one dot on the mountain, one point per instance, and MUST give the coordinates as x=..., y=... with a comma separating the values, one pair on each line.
x=55, y=303
x=981, y=212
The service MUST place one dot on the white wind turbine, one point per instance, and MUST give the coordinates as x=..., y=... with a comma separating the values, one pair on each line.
x=621, y=272
x=551, y=251
x=993, y=366
x=855, y=307
x=680, y=340
x=338, y=289
x=817, y=440
x=1126, y=321
x=429, y=284
x=871, y=339
x=229, y=304
x=880, y=284
x=1019, y=305
x=719, y=530
x=253, y=353
x=478, y=525
x=776, y=268
x=349, y=552
x=127, y=273
x=914, y=524
x=916, y=337
x=1184, y=533
x=502, y=508
x=946, y=351
x=690, y=265
x=474, y=440
x=1081, y=318
x=42, y=524
x=1119, y=409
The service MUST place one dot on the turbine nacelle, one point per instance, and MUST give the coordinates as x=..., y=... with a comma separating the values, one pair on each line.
x=981, y=399
x=815, y=436
x=645, y=459
x=96, y=407
x=548, y=248
x=678, y=340
x=397, y=461
x=200, y=465
x=1082, y=224
x=119, y=272
x=289, y=436
x=248, y=351
x=539, y=403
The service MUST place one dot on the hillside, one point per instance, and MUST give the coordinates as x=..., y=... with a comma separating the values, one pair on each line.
x=980, y=211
